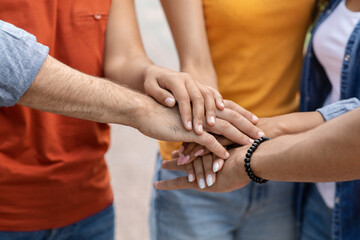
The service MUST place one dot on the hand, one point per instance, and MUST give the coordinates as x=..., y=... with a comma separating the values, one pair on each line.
x=290, y=123
x=162, y=123
x=169, y=87
x=231, y=177
x=236, y=125
x=207, y=165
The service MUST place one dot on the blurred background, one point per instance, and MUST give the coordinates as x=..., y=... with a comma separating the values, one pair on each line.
x=131, y=157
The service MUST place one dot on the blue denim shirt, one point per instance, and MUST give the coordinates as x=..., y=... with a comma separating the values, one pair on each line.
x=315, y=87
x=21, y=58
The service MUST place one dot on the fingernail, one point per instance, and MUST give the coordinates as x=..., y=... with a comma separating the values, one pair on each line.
x=184, y=160
x=255, y=118
x=169, y=101
x=216, y=167
x=209, y=180
x=181, y=149
x=212, y=120
x=251, y=141
x=201, y=183
x=200, y=128
x=198, y=152
x=189, y=125
x=227, y=155
x=222, y=104
x=261, y=134
x=191, y=177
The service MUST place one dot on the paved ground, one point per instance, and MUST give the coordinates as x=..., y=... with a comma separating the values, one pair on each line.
x=132, y=156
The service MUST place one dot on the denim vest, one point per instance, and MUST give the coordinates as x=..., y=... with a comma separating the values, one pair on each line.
x=315, y=87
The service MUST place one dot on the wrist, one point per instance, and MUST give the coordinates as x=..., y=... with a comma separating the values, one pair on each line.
x=204, y=74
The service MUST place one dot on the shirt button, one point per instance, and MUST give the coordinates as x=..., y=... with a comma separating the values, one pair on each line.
x=337, y=200
x=328, y=11
x=97, y=16
x=347, y=57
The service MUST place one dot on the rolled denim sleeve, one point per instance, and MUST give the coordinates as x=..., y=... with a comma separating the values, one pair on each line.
x=21, y=58
x=339, y=108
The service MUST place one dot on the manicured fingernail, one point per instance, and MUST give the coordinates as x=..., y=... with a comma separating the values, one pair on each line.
x=251, y=141
x=189, y=125
x=227, y=155
x=184, y=160
x=198, y=152
x=170, y=101
x=182, y=148
x=261, y=134
x=255, y=118
x=209, y=180
x=216, y=167
x=212, y=120
x=201, y=183
x=200, y=128
x=222, y=104
x=191, y=177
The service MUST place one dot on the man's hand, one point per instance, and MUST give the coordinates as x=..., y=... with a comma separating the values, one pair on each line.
x=231, y=177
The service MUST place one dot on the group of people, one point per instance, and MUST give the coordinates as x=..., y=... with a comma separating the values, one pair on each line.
x=69, y=67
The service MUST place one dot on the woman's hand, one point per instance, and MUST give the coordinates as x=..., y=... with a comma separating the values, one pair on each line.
x=231, y=177
x=196, y=101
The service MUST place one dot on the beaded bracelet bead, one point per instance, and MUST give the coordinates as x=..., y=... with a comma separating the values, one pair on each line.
x=251, y=150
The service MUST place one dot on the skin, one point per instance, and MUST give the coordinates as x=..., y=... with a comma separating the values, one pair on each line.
x=60, y=89
x=326, y=153
x=188, y=29
x=125, y=62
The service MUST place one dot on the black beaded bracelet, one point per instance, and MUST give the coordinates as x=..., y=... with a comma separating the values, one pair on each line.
x=251, y=150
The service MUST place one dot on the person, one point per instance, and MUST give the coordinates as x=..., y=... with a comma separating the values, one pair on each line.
x=53, y=167
x=237, y=47
x=329, y=84
x=310, y=156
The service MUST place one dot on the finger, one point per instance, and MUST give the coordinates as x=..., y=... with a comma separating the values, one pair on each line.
x=217, y=165
x=210, y=106
x=190, y=172
x=210, y=142
x=175, y=154
x=172, y=165
x=241, y=123
x=197, y=102
x=163, y=96
x=219, y=100
x=182, y=97
x=199, y=172
x=174, y=184
x=200, y=150
x=229, y=131
x=224, y=141
x=207, y=161
x=242, y=111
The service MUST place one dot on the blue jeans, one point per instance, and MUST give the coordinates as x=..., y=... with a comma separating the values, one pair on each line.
x=256, y=212
x=97, y=227
x=317, y=217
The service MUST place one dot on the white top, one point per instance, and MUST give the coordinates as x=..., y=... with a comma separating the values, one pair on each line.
x=330, y=42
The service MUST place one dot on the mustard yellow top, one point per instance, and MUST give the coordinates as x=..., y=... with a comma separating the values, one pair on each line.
x=256, y=47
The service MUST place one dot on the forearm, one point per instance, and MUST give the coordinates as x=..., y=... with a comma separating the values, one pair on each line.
x=290, y=123
x=186, y=20
x=124, y=60
x=329, y=152
x=63, y=90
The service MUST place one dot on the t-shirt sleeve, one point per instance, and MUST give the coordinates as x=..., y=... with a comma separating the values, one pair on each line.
x=21, y=58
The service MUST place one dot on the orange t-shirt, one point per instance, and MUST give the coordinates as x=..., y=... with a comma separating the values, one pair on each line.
x=52, y=168
x=256, y=47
